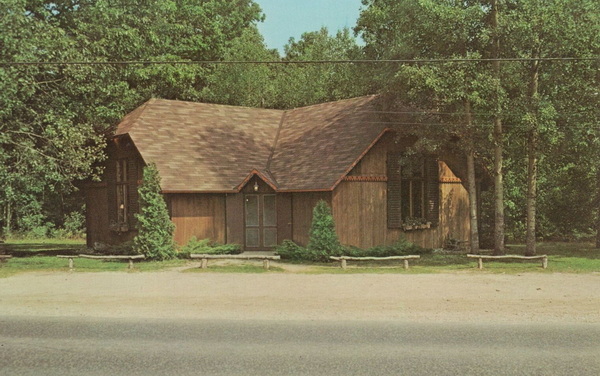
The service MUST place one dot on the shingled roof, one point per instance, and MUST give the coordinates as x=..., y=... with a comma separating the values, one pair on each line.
x=200, y=147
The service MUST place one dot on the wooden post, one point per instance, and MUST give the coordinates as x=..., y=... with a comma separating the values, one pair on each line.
x=480, y=263
x=204, y=263
x=266, y=264
x=130, y=263
x=406, y=264
x=70, y=263
x=545, y=262
x=343, y=263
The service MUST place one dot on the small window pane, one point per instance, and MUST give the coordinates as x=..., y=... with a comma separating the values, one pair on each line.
x=270, y=237
x=270, y=211
x=121, y=171
x=252, y=235
x=121, y=203
x=417, y=197
x=251, y=210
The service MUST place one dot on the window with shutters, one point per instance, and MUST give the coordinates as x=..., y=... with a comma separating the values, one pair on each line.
x=413, y=191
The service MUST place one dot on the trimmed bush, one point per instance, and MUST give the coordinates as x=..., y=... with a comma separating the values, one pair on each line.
x=323, y=240
x=206, y=246
x=155, y=229
x=291, y=251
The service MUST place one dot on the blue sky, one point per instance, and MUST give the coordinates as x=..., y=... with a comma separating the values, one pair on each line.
x=291, y=18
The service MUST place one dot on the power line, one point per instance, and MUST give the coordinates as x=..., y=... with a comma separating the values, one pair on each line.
x=295, y=62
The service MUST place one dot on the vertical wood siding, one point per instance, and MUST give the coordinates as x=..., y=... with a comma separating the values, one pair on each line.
x=360, y=207
x=96, y=215
x=199, y=215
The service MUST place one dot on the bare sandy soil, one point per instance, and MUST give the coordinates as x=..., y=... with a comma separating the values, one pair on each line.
x=467, y=297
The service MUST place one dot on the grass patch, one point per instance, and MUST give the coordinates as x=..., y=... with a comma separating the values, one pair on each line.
x=38, y=256
x=52, y=247
x=18, y=265
x=562, y=258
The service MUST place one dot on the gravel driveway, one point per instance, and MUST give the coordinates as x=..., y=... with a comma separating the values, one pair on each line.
x=458, y=297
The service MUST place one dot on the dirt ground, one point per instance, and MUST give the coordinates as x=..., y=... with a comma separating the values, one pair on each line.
x=457, y=297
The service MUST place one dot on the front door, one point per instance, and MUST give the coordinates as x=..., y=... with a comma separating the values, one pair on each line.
x=260, y=214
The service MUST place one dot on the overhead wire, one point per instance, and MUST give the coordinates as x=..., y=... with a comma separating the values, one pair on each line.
x=297, y=62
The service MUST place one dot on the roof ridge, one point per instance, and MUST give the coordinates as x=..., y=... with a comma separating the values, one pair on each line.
x=218, y=104
x=336, y=101
x=270, y=159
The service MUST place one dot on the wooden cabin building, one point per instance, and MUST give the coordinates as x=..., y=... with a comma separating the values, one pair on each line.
x=253, y=176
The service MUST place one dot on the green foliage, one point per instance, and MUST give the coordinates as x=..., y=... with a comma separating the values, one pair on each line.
x=155, y=229
x=291, y=251
x=322, y=238
x=54, y=119
x=401, y=248
x=74, y=224
x=125, y=248
x=207, y=246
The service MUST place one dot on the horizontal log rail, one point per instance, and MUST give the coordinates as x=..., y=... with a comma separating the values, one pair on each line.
x=480, y=259
x=205, y=257
x=130, y=258
x=4, y=258
x=344, y=259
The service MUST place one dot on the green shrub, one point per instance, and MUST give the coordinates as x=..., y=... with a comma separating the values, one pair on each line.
x=401, y=248
x=126, y=248
x=291, y=251
x=155, y=229
x=206, y=246
x=74, y=225
x=323, y=240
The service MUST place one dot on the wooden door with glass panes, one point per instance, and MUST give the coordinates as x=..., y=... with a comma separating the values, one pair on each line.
x=260, y=218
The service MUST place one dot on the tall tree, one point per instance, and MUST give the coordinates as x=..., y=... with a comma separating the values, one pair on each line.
x=536, y=30
x=498, y=136
x=54, y=118
x=305, y=84
x=455, y=95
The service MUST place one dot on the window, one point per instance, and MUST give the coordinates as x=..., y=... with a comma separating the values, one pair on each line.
x=122, y=191
x=412, y=190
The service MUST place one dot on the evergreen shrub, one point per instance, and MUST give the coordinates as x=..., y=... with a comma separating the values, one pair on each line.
x=207, y=246
x=155, y=229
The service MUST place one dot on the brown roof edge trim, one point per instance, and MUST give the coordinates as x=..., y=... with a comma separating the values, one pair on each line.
x=304, y=190
x=281, y=121
x=250, y=175
x=142, y=107
x=360, y=157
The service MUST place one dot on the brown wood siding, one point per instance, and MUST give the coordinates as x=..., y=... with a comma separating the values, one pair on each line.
x=234, y=207
x=96, y=215
x=302, y=211
x=359, y=210
x=360, y=207
x=199, y=215
x=99, y=226
x=284, y=217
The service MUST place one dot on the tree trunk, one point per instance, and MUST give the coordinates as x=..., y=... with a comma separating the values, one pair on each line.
x=474, y=235
x=498, y=144
x=471, y=184
x=598, y=207
x=531, y=192
x=532, y=147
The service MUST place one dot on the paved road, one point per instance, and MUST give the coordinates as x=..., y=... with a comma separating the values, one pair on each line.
x=76, y=346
